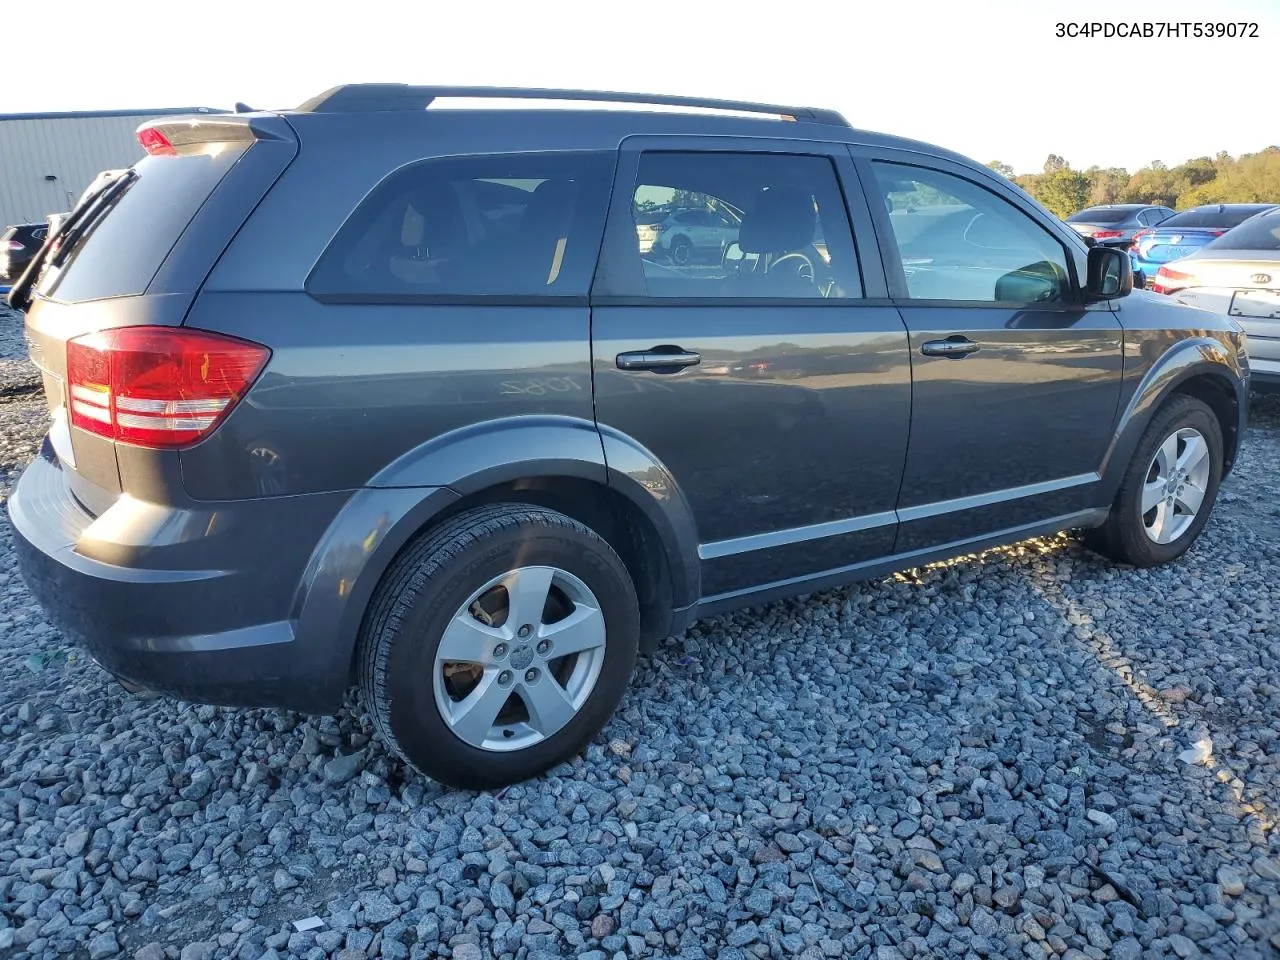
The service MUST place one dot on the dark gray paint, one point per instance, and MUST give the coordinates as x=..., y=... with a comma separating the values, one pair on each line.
x=239, y=570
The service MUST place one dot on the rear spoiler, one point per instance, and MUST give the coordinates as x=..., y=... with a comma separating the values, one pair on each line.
x=175, y=135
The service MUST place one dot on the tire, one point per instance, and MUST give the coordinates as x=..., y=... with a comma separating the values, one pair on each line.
x=1131, y=535
x=433, y=712
x=681, y=251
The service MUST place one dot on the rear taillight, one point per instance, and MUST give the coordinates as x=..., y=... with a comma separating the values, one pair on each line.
x=160, y=387
x=13, y=246
x=155, y=142
x=1138, y=236
x=1104, y=234
x=1170, y=281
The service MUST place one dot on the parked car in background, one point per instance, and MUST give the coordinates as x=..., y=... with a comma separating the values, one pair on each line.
x=449, y=435
x=1114, y=224
x=687, y=234
x=1238, y=274
x=18, y=244
x=1184, y=233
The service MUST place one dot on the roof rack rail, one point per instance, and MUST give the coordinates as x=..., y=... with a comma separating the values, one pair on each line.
x=371, y=97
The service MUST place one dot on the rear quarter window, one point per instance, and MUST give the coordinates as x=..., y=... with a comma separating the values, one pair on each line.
x=508, y=225
x=124, y=248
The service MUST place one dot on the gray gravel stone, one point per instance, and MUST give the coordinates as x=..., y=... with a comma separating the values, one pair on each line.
x=1231, y=881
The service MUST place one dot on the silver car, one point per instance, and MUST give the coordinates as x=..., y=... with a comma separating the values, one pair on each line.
x=1238, y=274
x=688, y=235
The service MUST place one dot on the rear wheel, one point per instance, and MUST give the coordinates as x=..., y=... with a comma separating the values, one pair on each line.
x=681, y=251
x=1169, y=489
x=499, y=645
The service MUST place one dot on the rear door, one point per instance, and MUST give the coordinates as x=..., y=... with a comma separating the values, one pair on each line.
x=1016, y=378
x=774, y=384
x=135, y=252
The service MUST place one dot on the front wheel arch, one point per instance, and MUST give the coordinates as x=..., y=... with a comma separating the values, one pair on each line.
x=1199, y=367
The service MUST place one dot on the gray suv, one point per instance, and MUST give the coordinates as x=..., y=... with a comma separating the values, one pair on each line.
x=372, y=392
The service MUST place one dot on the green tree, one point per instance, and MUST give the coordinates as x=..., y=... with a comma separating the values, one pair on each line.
x=1003, y=169
x=1064, y=191
x=1106, y=185
x=1254, y=178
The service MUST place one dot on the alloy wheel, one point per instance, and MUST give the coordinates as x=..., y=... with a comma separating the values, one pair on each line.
x=1175, y=486
x=519, y=659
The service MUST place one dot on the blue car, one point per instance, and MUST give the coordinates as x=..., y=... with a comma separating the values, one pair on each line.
x=1184, y=233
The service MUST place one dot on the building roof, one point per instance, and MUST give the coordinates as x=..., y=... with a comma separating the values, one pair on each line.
x=85, y=114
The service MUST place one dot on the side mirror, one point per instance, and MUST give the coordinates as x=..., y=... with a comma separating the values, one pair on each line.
x=1110, y=274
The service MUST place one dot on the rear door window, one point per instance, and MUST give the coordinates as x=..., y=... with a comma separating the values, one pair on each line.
x=125, y=246
x=514, y=225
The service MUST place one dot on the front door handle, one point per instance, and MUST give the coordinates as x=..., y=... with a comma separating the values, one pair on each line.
x=956, y=348
x=662, y=359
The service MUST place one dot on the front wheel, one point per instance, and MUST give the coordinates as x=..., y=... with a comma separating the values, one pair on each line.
x=1169, y=489
x=499, y=645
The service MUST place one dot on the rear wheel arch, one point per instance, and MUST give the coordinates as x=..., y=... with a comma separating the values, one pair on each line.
x=644, y=520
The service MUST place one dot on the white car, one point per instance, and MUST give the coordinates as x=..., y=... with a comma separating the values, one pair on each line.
x=684, y=236
x=1238, y=274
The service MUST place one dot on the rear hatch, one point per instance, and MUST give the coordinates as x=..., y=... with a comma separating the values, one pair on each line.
x=134, y=252
x=1244, y=284
x=1166, y=244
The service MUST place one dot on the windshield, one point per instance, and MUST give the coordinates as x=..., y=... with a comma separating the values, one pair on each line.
x=1100, y=215
x=1259, y=233
x=1211, y=217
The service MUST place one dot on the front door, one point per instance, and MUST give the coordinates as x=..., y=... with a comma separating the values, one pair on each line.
x=1016, y=379
x=776, y=397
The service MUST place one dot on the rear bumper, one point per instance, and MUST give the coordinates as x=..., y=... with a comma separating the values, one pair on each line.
x=221, y=631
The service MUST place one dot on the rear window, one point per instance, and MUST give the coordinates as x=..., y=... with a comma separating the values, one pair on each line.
x=1099, y=215
x=1259, y=233
x=123, y=249
x=1211, y=217
x=514, y=225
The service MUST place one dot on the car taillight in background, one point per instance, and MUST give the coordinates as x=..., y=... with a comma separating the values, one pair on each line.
x=1106, y=234
x=1138, y=236
x=160, y=387
x=14, y=246
x=1170, y=281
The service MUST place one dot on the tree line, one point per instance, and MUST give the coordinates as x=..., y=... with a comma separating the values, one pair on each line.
x=1249, y=178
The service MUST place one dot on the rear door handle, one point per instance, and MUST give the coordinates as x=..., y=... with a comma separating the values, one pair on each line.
x=661, y=358
x=957, y=348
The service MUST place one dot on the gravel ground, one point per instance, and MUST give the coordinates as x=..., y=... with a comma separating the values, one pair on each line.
x=993, y=757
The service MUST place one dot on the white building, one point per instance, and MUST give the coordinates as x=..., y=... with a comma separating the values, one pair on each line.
x=47, y=159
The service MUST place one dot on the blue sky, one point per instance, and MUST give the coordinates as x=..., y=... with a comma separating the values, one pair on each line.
x=989, y=79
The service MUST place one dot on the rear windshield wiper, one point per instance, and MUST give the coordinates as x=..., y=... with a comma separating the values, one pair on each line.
x=57, y=247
